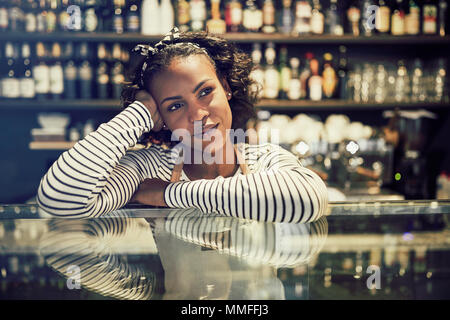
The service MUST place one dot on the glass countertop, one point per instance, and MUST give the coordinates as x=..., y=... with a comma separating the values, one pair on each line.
x=359, y=250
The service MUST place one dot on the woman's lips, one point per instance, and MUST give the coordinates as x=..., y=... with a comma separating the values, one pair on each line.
x=207, y=130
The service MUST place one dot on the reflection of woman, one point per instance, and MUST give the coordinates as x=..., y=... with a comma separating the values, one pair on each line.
x=198, y=85
x=96, y=247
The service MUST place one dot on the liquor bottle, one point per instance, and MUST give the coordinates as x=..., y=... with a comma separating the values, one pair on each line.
x=132, y=18
x=118, y=21
x=167, y=16
x=317, y=19
x=30, y=20
x=150, y=15
x=284, y=72
x=51, y=18
x=418, y=92
x=85, y=73
x=271, y=75
x=183, y=17
x=4, y=19
x=342, y=73
x=367, y=22
x=294, y=92
x=104, y=13
x=63, y=16
x=117, y=71
x=102, y=80
x=198, y=14
x=412, y=19
x=398, y=19
x=333, y=20
x=16, y=16
x=329, y=76
x=41, y=73
x=315, y=81
x=70, y=79
x=233, y=16
x=216, y=25
x=257, y=73
x=41, y=17
x=354, y=17
x=268, y=17
x=429, y=17
x=252, y=18
x=381, y=82
x=402, y=83
x=383, y=17
x=26, y=77
x=286, y=21
x=11, y=84
x=440, y=82
x=305, y=74
x=442, y=17
x=90, y=18
x=303, y=12
x=56, y=73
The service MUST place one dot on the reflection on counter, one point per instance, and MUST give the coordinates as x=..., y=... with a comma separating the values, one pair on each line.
x=183, y=254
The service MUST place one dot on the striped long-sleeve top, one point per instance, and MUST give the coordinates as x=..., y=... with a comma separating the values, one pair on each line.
x=100, y=174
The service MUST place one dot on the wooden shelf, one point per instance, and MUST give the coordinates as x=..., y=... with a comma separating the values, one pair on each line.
x=243, y=37
x=264, y=104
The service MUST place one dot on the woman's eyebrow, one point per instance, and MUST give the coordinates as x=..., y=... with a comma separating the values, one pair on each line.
x=199, y=85
x=179, y=97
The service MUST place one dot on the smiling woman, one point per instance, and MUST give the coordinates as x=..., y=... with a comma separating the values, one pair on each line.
x=190, y=91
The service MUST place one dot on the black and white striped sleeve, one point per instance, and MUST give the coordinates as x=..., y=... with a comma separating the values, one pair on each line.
x=97, y=175
x=279, y=189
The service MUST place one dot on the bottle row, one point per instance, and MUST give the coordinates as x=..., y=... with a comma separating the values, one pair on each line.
x=317, y=78
x=294, y=17
x=67, y=71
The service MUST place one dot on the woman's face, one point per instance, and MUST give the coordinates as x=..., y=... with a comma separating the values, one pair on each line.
x=190, y=96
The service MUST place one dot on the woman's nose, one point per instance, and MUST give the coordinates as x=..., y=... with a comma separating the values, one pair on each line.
x=197, y=113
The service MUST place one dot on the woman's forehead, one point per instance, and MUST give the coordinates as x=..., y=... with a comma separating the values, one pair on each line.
x=198, y=63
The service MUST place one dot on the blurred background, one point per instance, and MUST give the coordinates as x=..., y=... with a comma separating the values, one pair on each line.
x=358, y=90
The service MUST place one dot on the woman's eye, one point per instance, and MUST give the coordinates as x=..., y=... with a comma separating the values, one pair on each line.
x=205, y=92
x=174, y=107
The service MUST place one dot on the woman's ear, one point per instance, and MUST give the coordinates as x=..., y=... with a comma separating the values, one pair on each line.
x=226, y=87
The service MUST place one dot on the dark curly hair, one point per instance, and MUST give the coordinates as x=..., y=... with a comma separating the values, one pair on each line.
x=230, y=63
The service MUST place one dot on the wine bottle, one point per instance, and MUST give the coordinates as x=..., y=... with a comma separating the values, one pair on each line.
x=198, y=14
x=315, y=81
x=167, y=16
x=118, y=23
x=442, y=17
x=102, y=80
x=30, y=19
x=56, y=73
x=252, y=17
x=305, y=74
x=150, y=17
x=41, y=17
x=354, y=17
x=284, y=72
x=329, y=76
x=233, y=16
x=412, y=19
x=4, y=19
x=84, y=72
x=41, y=73
x=271, y=75
x=303, y=12
x=26, y=80
x=429, y=18
x=63, y=15
x=183, y=16
x=398, y=19
x=117, y=71
x=268, y=17
x=317, y=19
x=294, y=92
x=333, y=20
x=16, y=16
x=342, y=73
x=383, y=17
x=11, y=84
x=90, y=17
x=51, y=20
x=286, y=21
x=216, y=25
x=132, y=20
x=257, y=73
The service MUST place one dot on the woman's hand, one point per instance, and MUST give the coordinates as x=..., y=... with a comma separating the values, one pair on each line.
x=151, y=192
x=148, y=101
